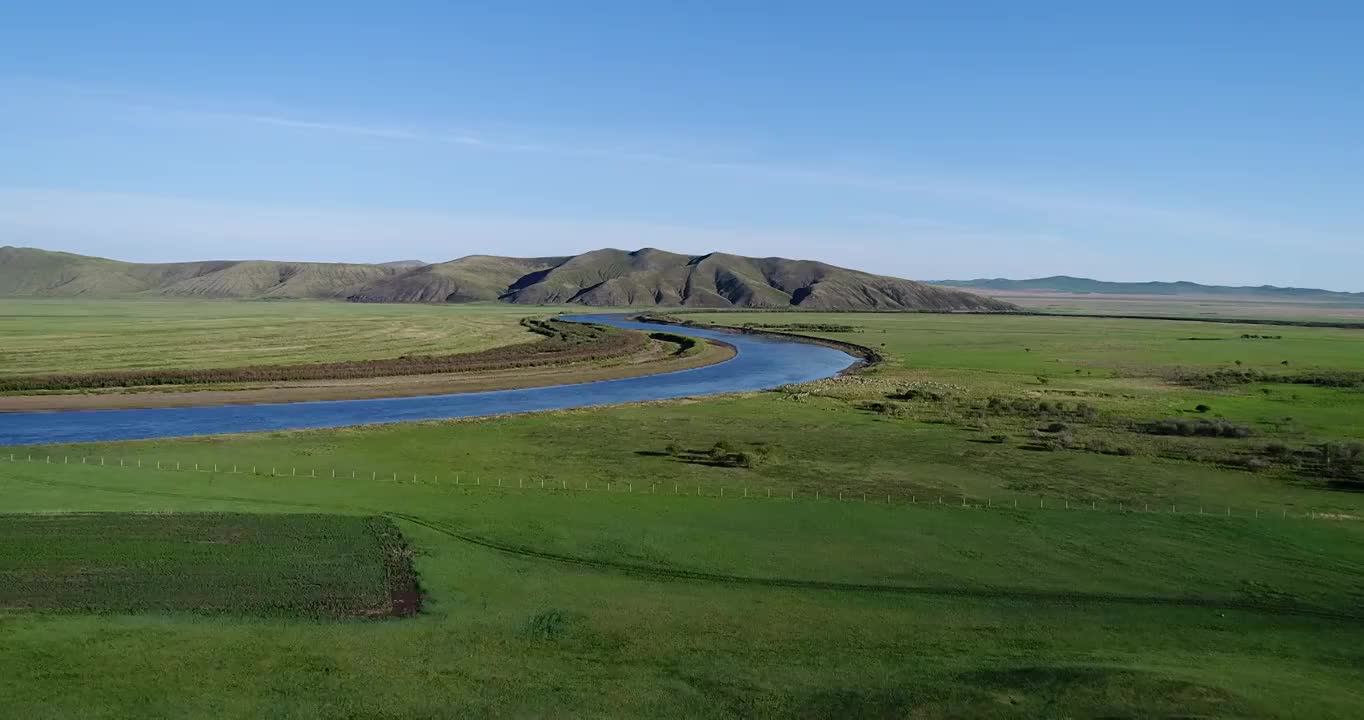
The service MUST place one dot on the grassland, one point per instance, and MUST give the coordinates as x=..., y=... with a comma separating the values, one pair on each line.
x=65, y=336
x=1004, y=613
x=626, y=600
x=1222, y=307
x=197, y=352
x=237, y=564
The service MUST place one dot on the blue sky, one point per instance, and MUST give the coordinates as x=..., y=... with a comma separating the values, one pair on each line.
x=1216, y=142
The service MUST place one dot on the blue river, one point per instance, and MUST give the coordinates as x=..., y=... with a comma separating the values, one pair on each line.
x=762, y=363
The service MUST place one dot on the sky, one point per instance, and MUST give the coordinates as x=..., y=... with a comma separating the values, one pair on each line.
x=1209, y=141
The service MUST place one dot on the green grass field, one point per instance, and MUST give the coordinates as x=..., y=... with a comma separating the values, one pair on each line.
x=59, y=336
x=626, y=600
x=973, y=613
x=287, y=565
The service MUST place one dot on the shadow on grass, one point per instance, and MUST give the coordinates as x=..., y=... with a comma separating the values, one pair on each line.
x=694, y=457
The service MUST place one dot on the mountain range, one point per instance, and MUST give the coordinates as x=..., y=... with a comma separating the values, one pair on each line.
x=601, y=278
x=1067, y=284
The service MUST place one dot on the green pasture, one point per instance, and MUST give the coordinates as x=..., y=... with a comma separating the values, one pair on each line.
x=952, y=612
x=823, y=579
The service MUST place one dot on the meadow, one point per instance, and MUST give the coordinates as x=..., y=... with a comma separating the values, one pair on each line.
x=1190, y=306
x=69, y=335
x=614, y=562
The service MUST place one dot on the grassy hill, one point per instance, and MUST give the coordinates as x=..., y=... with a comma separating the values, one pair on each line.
x=1065, y=283
x=599, y=278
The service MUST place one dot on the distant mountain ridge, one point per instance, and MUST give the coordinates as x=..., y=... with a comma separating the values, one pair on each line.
x=1068, y=284
x=647, y=277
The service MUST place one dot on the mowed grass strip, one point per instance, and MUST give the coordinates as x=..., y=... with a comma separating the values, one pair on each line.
x=292, y=565
x=68, y=336
x=560, y=343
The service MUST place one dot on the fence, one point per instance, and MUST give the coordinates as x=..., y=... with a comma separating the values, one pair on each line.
x=461, y=480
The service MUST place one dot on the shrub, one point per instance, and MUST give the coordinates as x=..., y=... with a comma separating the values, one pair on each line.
x=1056, y=427
x=1201, y=428
x=1202, y=408
x=999, y=439
x=673, y=449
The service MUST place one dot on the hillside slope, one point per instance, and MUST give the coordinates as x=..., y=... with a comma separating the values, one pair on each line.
x=604, y=278
x=1065, y=283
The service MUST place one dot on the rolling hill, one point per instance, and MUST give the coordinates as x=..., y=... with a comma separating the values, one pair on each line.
x=645, y=277
x=1067, y=284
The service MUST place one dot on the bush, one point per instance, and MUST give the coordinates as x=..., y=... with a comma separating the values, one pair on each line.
x=1056, y=427
x=673, y=449
x=1202, y=408
x=1201, y=428
x=999, y=439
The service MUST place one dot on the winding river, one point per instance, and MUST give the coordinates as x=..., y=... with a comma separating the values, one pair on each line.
x=761, y=363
